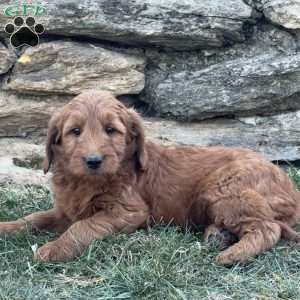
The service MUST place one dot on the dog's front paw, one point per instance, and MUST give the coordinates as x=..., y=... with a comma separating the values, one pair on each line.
x=4, y=228
x=51, y=252
x=11, y=227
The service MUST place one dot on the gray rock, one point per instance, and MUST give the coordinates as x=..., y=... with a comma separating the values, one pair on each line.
x=277, y=137
x=263, y=84
x=12, y=174
x=179, y=24
x=23, y=115
x=21, y=148
x=261, y=77
x=12, y=150
x=283, y=12
x=69, y=67
x=7, y=59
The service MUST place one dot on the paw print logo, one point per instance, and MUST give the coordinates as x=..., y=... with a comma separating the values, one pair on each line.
x=24, y=32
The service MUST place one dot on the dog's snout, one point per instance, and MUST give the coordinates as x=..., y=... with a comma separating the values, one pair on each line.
x=93, y=161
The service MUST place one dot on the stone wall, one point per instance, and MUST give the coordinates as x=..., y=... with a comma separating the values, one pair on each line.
x=209, y=72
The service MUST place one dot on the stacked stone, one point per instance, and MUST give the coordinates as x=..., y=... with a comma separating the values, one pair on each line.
x=209, y=72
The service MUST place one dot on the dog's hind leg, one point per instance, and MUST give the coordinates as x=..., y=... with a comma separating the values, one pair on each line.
x=255, y=237
x=248, y=215
x=51, y=220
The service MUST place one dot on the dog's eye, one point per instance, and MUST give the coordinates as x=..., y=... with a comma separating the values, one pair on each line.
x=109, y=130
x=76, y=131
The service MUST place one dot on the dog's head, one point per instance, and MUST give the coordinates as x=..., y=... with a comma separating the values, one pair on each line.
x=94, y=135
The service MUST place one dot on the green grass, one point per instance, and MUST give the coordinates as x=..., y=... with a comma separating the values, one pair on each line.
x=162, y=263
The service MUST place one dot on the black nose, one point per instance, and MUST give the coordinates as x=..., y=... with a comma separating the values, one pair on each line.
x=93, y=161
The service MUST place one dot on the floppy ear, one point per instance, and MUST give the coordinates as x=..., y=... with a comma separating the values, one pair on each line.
x=53, y=137
x=137, y=131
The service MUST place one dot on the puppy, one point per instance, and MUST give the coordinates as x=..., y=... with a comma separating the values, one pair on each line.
x=108, y=179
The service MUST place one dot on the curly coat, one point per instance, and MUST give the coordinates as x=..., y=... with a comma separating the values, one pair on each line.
x=139, y=183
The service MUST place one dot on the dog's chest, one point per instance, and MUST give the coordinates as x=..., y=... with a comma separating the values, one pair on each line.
x=81, y=204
